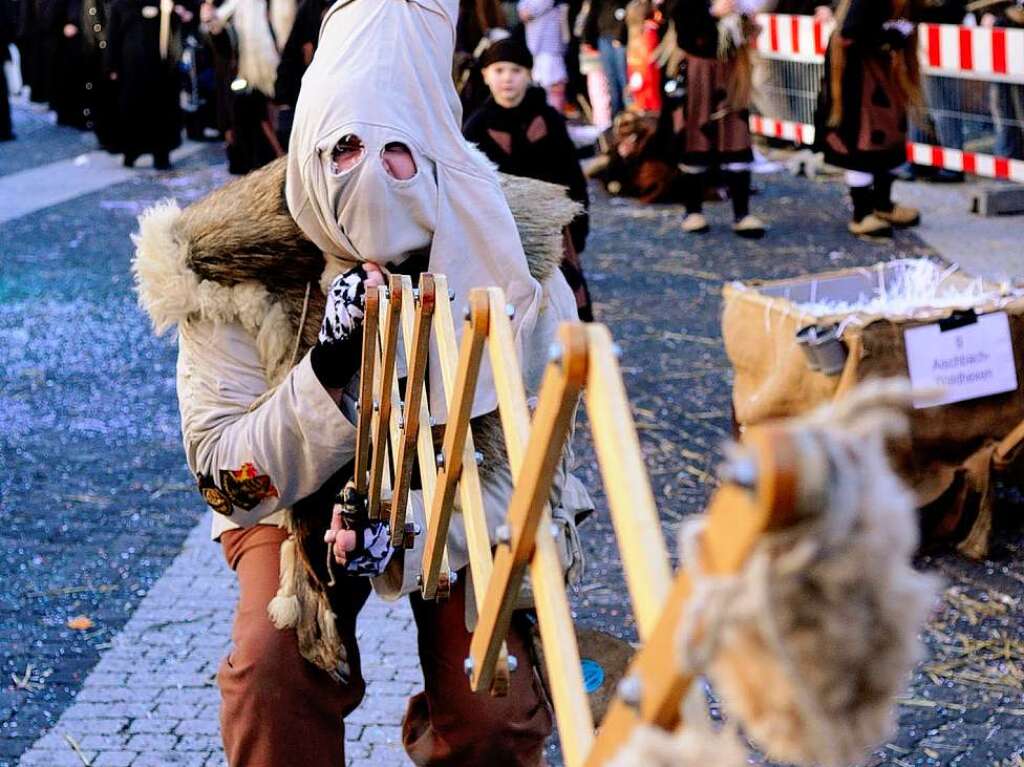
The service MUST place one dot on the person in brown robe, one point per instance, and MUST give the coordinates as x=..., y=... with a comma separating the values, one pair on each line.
x=871, y=77
x=713, y=128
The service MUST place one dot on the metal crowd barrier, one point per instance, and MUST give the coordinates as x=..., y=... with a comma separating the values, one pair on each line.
x=973, y=119
x=395, y=431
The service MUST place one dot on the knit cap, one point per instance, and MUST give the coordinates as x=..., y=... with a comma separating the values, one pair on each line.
x=507, y=50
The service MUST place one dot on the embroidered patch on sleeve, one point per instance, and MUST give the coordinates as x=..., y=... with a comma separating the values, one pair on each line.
x=214, y=496
x=246, y=487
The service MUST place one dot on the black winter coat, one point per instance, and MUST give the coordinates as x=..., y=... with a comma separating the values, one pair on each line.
x=940, y=11
x=298, y=50
x=696, y=28
x=801, y=7
x=531, y=140
x=607, y=18
x=149, y=106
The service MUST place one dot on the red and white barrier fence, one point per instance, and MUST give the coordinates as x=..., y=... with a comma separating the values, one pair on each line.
x=970, y=53
x=973, y=52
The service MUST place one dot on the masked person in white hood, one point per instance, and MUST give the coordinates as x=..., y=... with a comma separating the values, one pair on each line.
x=265, y=280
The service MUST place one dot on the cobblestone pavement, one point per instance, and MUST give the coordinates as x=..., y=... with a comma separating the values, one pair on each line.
x=152, y=698
x=98, y=516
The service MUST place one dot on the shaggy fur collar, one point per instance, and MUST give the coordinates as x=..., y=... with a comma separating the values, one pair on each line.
x=237, y=255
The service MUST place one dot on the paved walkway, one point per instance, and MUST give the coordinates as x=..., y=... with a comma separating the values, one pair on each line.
x=152, y=699
x=988, y=247
x=30, y=190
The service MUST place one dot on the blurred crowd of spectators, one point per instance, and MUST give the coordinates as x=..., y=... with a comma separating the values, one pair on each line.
x=138, y=72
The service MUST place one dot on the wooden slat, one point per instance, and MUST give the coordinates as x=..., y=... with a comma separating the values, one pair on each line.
x=494, y=609
x=561, y=651
x=474, y=515
x=533, y=458
x=366, y=377
x=391, y=308
x=425, y=436
x=736, y=519
x=416, y=317
x=455, y=456
x=508, y=380
x=634, y=514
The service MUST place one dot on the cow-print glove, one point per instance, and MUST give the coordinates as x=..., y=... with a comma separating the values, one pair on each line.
x=373, y=550
x=338, y=351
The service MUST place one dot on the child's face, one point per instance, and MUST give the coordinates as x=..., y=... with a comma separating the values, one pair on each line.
x=508, y=82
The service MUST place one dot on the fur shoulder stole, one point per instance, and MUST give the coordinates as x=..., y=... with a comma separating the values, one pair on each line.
x=237, y=255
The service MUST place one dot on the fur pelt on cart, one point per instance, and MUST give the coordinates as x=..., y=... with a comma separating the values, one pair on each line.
x=809, y=645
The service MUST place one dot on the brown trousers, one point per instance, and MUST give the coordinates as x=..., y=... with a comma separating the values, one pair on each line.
x=278, y=710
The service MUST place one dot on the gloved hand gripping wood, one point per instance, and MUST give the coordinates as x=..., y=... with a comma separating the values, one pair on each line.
x=355, y=541
x=362, y=545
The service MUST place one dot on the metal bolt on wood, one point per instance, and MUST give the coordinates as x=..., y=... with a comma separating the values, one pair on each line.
x=503, y=535
x=556, y=353
x=631, y=691
x=741, y=471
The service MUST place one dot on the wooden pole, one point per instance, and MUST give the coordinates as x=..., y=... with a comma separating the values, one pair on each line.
x=633, y=511
x=367, y=371
x=391, y=307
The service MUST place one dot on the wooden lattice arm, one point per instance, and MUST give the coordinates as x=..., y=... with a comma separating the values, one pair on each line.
x=367, y=371
x=534, y=453
x=413, y=420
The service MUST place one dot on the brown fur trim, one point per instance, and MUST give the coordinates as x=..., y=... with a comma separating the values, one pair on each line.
x=243, y=231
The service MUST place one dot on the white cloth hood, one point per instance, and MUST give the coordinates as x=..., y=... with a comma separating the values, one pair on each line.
x=383, y=71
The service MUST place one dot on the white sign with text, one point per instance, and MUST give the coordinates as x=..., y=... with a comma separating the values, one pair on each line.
x=963, y=363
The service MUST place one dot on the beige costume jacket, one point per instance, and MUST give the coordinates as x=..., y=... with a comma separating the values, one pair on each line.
x=241, y=284
x=257, y=450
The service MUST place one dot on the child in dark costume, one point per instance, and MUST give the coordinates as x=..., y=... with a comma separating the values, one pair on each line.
x=871, y=76
x=714, y=128
x=524, y=136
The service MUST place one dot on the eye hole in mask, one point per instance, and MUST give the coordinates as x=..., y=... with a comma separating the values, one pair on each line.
x=398, y=161
x=347, y=153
